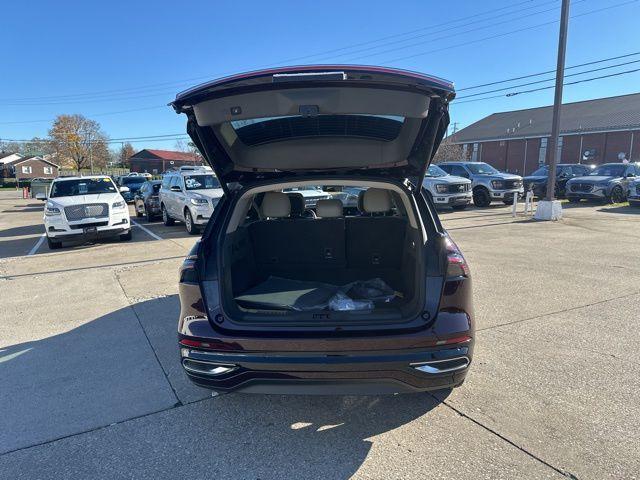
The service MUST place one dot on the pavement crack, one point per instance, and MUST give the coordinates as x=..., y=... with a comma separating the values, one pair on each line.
x=164, y=372
x=556, y=312
x=562, y=472
x=103, y=427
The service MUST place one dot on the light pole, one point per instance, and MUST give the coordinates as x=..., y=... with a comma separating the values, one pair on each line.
x=551, y=209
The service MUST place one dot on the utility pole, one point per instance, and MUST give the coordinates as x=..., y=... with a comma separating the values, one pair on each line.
x=90, y=152
x=550, y=210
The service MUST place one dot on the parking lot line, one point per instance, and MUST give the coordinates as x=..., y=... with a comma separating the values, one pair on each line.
x=145, y=229
x=35, y=248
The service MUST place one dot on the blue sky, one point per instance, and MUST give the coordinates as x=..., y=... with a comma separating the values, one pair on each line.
x=97, y=58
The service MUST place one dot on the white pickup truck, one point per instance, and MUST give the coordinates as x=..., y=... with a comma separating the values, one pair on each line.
x=447, y=190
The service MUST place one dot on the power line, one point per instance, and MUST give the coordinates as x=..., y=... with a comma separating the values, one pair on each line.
x=513, y=94
x=518, y=30
x=547, y=72
x=548, y=79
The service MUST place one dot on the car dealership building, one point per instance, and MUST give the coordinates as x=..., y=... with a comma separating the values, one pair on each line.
x=593, y=131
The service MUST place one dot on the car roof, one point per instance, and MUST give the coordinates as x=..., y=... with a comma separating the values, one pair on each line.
x=85, y=177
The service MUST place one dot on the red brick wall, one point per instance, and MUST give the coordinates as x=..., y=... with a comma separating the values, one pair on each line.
x=570, y=149
x=495, y=153
x=635, y=154
x=515, y=156
x=617, y=142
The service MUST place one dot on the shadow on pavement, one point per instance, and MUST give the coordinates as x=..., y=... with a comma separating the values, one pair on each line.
x=627, y=209
x=22, y=231
x=104, y=372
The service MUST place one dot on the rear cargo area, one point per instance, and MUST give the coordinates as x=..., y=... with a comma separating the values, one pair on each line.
x=284, y=261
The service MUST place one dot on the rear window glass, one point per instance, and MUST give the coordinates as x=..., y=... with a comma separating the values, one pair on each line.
x=265, y=130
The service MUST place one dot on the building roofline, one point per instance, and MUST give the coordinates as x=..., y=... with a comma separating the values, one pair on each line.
x=631, y=128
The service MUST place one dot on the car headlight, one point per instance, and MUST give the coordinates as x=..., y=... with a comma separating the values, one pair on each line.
x=50, y=209
x=441, y=188
x=199, y=201
x=119, y=204
x=497, y=184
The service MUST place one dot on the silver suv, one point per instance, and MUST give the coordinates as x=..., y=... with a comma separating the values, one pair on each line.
x=189, y=195
x=487, y=183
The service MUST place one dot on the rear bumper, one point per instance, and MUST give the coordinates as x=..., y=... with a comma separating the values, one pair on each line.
x=345, y=373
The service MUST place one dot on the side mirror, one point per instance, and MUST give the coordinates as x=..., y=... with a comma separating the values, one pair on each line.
x=175, y=188
x=124, y=189
x=41, y=196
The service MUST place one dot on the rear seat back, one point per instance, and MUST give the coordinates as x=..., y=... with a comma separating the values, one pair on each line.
x=297, y=242
x=374, y=241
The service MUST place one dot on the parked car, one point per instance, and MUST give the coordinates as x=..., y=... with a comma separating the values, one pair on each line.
x=447, y=190
x=487, y=183
x=189, y=194
x=310, y=194
x=350, y=197
x=633, y=194
x=609, y=182
x=147, y=200
x=85, y=208
x=537, y=181
x=254, y=289
x=133, y=183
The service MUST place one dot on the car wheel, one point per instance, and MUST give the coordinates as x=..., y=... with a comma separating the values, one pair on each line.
x=166, y=219
x=53, y=245
x=125, y=237
x=192, y=229
x=139, y=213
x=617, y=195
x=459, y=207
x=149, y=217
x=481, y=197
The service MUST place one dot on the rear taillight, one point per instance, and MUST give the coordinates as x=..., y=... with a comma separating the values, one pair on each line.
x=456, y=264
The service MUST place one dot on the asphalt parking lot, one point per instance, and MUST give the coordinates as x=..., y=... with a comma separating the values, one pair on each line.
x=91, y=387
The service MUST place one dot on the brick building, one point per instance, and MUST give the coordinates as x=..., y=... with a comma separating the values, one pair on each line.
x=593, y=131
x=24, y=168
x=159, y=161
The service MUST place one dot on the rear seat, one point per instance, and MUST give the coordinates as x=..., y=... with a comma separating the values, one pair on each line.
x=292, y=247
x=284, y=242
x=372, y=241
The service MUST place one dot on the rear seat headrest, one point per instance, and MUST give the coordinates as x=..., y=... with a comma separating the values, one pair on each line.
x=376, y=200
x=276, y=205
x=297, y=204
x=329, y=208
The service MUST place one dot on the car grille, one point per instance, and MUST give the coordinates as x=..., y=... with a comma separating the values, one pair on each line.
x=512, y=184
x=78, y=226
x=88, y=210
x=459, y=188
x=581, y=187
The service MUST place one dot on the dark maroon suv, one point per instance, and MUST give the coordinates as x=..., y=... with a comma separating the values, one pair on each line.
x=284, y=295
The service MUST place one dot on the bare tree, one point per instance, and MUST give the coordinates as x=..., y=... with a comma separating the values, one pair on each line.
x=78, y=142
x=186, y=147
x=448, y=151
x=125, y=153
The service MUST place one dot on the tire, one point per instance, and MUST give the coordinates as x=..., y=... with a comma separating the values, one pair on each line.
x=617, y=195
x=150, y=218
x=460, y=207
x=125, y=237
x=53, y=245
x=139, y=214
x=166, y=219
x=481, y=197
x=192, y=229
x=574, y=200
